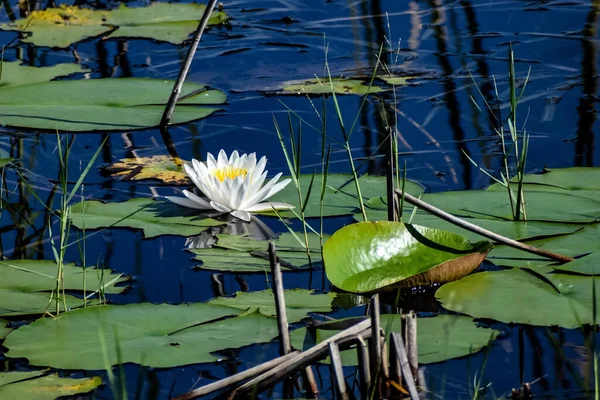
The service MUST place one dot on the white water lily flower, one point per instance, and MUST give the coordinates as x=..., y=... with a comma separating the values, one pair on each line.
x=233, y=185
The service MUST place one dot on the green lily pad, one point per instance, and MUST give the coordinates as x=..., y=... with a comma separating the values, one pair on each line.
x=4, y=329
x=162, y=168
x=26, y=285
x=540, y=206
x=36, y=385
x=16, y=74
x=154, y=218
x=368, y=256
x=340, y=194
x=298, y=303
x=241, y=254
x=160, y=336
x=101, y=104
x=324, y=86
x=63, y=26
x=575, y=178
x=519, y=296
x=395, y=80
x=438, y=339
x=581, y=242
x=587, y=265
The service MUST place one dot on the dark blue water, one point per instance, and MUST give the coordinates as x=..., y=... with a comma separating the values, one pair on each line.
x=440, y=43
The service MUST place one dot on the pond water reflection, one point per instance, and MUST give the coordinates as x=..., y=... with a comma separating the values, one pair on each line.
x=441, y=122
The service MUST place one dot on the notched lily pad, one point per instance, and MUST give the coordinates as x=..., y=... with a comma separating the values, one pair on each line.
x=102, y=104
x=369, y=256
x=37, y=385
x=162, y=168
x=242, y=254
x=542, y=298
x=298, y=302
x=438, y=339
x=26, y=285
x=63, y=26
x=155, y=218
x=14, y=73
x=160, y=336
x=319, y=86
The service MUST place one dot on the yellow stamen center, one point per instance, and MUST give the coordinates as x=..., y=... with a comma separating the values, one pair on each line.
x=229, y=173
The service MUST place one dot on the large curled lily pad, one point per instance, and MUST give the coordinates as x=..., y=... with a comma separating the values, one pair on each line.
x=368, y=256
x=540, y=205
x=160, y=336
x=154, y=218
x=521, y=296
x=325, y=86
x=102, y=104
x=242, y=254
x=26, y=285
x=15, y=74
x=65, y=25
x=162, y=168
x=36, y=385
x=340, y=194
x=438, y=339
x=298, y=303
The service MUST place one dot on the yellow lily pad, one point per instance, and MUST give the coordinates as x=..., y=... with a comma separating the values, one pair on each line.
x=162, y=168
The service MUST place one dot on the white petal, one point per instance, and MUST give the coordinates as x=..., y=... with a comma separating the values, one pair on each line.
x=198, y=200
x=250, y=163
x=243, y=215
x=192, y=173
x=184, y=202
x=235, y=156
x=262, y=193
x=237, y=193
x=219, y=207
x=279, y=187
x=211, y=163
x=222, y=160
x=254, y=187
x=258, y=170
x=269, y=206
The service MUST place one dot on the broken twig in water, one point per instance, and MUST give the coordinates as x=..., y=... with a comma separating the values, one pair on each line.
x=480, y=231
x=166, y=118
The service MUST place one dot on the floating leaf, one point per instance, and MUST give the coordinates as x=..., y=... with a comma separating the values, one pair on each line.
x=368, y=256
x=241, y=254
x=324, y=86
x=153, y=217
x=575, y=178
x=578, y=243
x=101, y=104
x=15, y=74
x=26, y=285
x=587, y=265
x=4, y=329
x=340, y=194
x=162, y=168
x=63, y=26
x=35, y=385
x=438, y=339
x=298, y=302
x=395, y=80
x=5, y=158
x=523, y=297
x=540, y=206
x=160, y=336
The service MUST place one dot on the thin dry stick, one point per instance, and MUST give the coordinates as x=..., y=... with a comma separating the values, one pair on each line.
x=480, y=231
x=411, y=343
x=282, y=324
x=363, y=368
x=305, y=358
x=375, y=342
x=337, y=370
x=398, y=343
x=166, y=118
x=235, y=379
